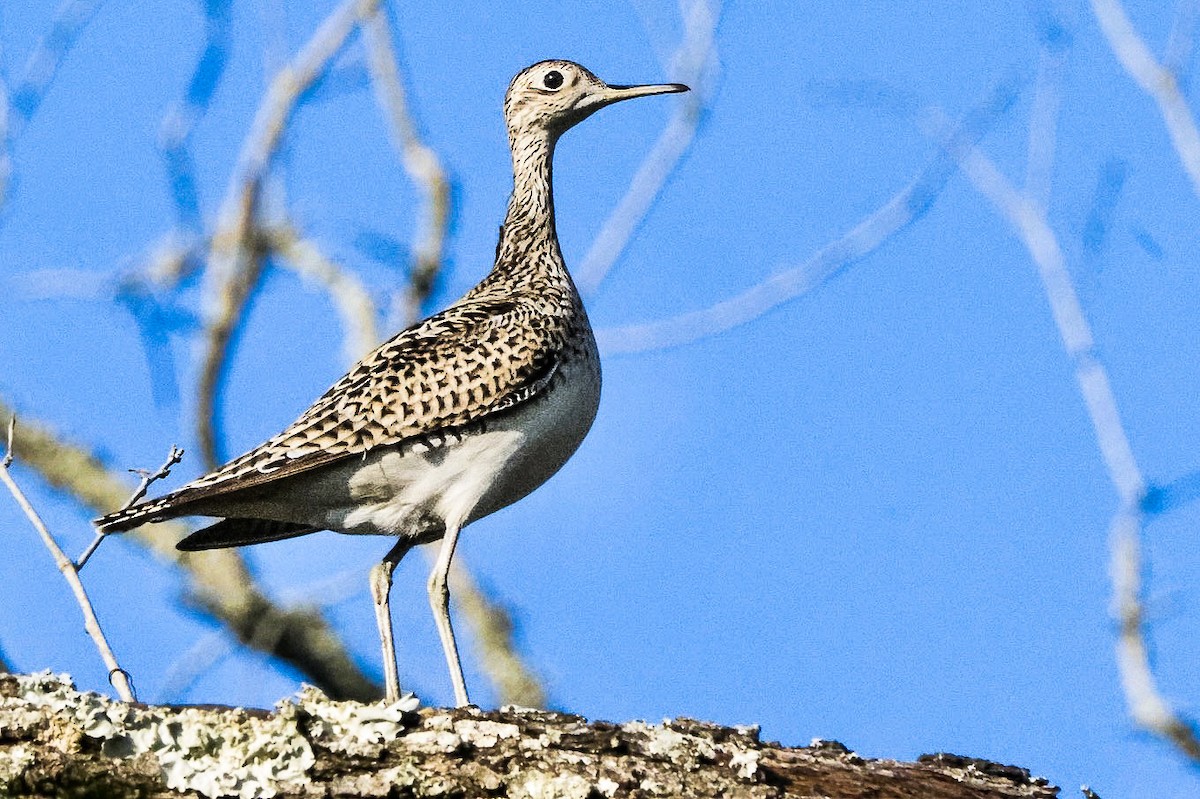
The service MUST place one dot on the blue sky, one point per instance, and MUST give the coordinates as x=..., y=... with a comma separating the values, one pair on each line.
x=875, y=513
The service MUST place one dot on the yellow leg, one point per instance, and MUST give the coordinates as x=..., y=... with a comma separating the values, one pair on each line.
x=439, y=602
x=381, y=588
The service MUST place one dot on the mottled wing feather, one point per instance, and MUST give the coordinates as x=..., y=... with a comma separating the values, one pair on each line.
x=452, y=369
x=476, y=358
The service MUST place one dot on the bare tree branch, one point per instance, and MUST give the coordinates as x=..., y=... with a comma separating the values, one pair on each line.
x=695, y=63
x=514, y=680
x=116, y=675
x=219, y=582
x=349, y=295
x=235, y=263
x=420, y=161
x=1156, y=80
x=1146, y=705
x=47, y=56
x=904, y=208
x=175, y=131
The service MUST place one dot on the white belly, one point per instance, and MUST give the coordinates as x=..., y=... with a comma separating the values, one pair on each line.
x=417, y=489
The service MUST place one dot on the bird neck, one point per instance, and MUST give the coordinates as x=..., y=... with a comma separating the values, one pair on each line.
x=528, y=232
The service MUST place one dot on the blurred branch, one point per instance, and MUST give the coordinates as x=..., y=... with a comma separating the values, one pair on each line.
x=219, y=582
x=43, y=63
x=694, y=63
x=116, y=675
x=420, y=161
x=349, y=295
x=1027, y=218
x=235, y=262
x=1156, y=80
x=19, y=106
x=5, y=124
x=497, y=652
x=1146, y=704
x=1178, y=53
x=175, y=131
x=1043, y=123
x=905, y=207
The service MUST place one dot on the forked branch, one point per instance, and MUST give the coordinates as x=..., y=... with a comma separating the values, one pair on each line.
x=117, y=676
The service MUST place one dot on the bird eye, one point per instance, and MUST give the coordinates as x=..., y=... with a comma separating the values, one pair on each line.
x=553, y=79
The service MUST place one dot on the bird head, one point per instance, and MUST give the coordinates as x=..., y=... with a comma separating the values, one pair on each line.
x=552, y=96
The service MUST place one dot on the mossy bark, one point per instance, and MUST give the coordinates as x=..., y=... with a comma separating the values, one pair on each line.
x=56, y=742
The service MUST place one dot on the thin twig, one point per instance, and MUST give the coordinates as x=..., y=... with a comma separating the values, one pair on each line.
x=1028, y=220
x=420, y=161
x=148, y=477
x=218, y=583
x=116, y=675
x=235, y=264
x=174, y=457
x=695, y=63
x=869, y=234
x=1156, y=80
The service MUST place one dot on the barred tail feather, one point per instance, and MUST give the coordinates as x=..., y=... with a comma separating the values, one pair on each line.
x=143, y=513
x=241, y=532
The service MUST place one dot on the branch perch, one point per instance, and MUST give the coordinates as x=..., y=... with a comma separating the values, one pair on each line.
x=116, y=675
x=219, y=582
x=314, y=747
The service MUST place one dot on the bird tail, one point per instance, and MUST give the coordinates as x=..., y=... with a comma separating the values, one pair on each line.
x=241, y=532
x=155, y=510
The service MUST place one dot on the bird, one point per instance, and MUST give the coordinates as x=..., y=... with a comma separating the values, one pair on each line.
x=451, y=419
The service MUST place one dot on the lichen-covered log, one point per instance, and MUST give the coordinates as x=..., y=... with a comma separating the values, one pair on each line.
x=56, y=742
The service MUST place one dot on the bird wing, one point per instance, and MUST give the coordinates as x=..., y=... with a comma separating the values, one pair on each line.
x=477, y=358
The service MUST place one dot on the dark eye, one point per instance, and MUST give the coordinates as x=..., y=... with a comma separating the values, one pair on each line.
x=553, y=79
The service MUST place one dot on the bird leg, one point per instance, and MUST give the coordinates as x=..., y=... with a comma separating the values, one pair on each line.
x=381, y=587
x=439, y=601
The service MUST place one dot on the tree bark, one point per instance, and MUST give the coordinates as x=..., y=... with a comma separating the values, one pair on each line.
x=56, y=741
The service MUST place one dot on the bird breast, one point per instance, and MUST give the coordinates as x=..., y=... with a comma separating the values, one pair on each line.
x=418, y=488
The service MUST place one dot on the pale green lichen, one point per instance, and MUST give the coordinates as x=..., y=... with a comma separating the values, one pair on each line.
x=352, y=727
x=484, y=734
x=539, y=785
x=229, y=753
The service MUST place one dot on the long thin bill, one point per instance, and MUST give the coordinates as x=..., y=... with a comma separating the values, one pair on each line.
x=615, y=94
